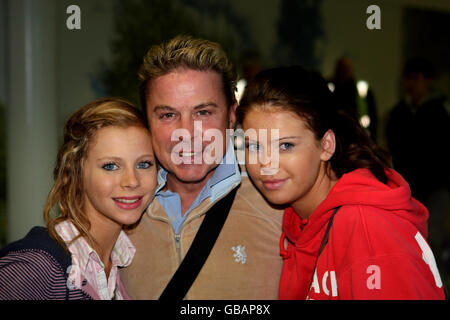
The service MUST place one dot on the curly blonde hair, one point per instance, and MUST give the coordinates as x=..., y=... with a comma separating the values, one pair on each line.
x=187, y=52
x=67, y=192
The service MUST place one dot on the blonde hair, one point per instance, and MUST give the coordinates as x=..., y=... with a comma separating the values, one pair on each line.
x=187, y=52
x=67, y=191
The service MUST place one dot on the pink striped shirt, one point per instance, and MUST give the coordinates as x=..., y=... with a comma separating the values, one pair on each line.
x=86, y=264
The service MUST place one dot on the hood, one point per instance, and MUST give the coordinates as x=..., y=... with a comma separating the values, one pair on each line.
x=360, y=187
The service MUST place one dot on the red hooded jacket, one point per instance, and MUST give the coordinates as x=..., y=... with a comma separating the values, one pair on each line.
x=376, y=247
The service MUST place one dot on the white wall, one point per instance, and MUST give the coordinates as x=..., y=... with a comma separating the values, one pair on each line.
x=3, y=50
x=31, y=112
x=48, y=78
x=79, y=53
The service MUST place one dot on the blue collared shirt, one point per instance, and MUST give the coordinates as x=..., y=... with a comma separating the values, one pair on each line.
x=225, y=175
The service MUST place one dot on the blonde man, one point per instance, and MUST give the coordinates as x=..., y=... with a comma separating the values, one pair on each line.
x=187, y=90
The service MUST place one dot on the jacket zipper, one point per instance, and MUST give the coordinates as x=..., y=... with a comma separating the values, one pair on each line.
x=178, y=236
x=177, y=246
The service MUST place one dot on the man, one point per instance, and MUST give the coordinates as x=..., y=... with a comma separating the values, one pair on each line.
x=187, y=91
x=418, y=130
x=418, y=135
x=355, y=96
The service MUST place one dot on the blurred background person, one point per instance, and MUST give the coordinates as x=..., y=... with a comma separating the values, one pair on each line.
x=250, y=66
x=354, y=96
x=418, y=133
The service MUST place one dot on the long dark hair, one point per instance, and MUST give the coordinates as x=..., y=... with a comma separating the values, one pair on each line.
x=307, y=95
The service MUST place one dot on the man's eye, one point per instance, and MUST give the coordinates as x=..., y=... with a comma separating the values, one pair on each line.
x=144, y=165
x=252, y=147
x=110, y=167
x=203, y=113
x=166, y=115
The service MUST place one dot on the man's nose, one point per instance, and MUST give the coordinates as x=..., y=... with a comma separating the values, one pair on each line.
x=194, y=128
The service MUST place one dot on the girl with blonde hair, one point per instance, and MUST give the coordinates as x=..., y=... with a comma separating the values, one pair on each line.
x=104, y=179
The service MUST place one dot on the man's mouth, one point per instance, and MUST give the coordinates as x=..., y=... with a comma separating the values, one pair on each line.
x=189, y=154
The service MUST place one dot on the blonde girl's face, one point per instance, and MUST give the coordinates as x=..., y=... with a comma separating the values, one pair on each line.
x=297, y=177
x=119, y=175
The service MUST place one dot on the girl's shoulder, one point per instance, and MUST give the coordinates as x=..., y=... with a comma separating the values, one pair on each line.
x=370, y=231
x=372, y=218
x=37, y=248
x=31, y=274
x=33, y=268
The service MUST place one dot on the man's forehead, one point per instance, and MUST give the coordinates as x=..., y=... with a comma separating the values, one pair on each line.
x=188, y=89
x=185, y=74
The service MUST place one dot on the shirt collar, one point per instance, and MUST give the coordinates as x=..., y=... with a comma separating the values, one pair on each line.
x=121, y=255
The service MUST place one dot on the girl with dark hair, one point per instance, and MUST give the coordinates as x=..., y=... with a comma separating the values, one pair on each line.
x=352, y=229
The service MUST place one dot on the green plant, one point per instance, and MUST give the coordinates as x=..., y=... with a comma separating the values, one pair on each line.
x=139, y=24
x=299, y=28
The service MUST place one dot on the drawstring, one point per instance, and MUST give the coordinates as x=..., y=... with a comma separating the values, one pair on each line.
x=284, y=253
x=303, y=223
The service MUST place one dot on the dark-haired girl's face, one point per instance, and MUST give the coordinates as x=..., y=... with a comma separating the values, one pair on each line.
x=299, y=176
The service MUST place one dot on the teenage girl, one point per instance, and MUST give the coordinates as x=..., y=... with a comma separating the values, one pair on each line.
x=352, y=229
x=105, y=177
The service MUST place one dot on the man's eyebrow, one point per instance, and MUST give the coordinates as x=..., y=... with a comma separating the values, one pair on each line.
x=169, y=108
x=206, y=104
x=163, y=108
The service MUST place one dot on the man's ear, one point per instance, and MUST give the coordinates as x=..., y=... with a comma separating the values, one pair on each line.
x=328, y=143
x=232, y=115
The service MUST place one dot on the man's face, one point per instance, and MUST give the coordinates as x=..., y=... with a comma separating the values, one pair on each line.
x=417, y=86
x=174, y=102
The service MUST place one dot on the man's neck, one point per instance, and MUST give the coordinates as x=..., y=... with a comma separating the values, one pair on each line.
x=188, y=191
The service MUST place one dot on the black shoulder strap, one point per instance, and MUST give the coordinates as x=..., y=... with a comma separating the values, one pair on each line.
x=327, y=232
x=200, y=248
x=324, y=241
